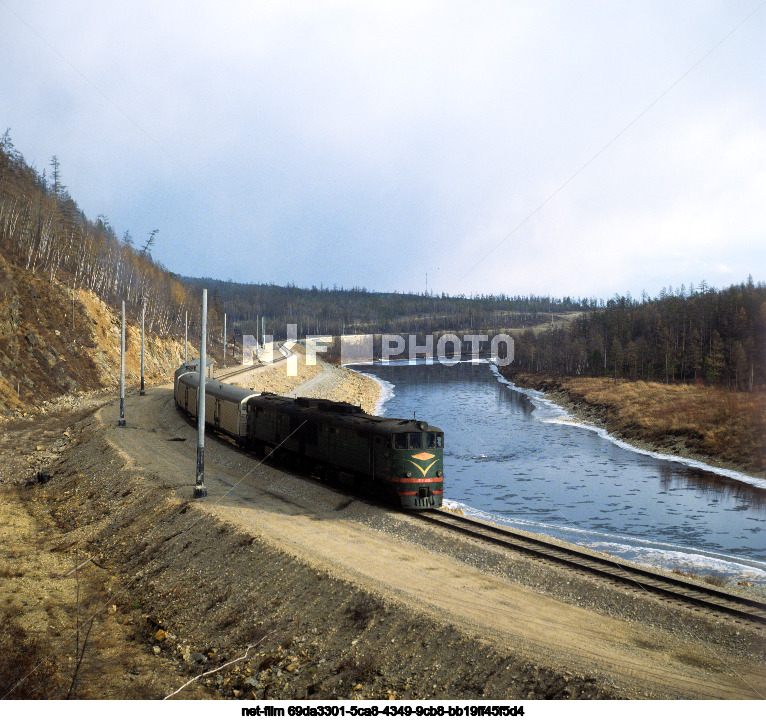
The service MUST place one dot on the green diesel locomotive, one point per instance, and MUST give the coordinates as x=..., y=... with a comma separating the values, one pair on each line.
x=399, y=460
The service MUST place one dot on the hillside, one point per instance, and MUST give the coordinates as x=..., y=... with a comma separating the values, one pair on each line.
x=703, y=335
x=335, y=311
x=63, y=278
x=55, y=341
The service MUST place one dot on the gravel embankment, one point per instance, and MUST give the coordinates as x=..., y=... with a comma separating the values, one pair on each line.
x=313, y=381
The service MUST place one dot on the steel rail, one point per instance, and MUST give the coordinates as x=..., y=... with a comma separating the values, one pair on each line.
x=676, y=588
x=238, y=370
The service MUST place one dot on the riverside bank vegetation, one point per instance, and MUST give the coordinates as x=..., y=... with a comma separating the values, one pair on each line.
x=700, y=421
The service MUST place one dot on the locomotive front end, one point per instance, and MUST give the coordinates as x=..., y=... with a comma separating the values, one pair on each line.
x=417, y=470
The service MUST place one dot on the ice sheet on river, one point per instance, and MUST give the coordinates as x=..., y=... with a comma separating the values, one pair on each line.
x=666, y=556
x=549, y=412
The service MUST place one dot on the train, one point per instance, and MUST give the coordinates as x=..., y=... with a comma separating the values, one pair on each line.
x=397, y=460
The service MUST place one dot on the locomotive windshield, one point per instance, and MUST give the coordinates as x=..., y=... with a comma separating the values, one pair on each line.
x=403, y=441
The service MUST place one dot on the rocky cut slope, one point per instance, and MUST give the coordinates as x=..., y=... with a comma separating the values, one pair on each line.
x=55, y=341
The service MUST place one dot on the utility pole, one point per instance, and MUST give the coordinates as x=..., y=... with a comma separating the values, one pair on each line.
x=186, y=336
x=199, y=489
x=224, y=340
x=121, y=421
x=143, y=315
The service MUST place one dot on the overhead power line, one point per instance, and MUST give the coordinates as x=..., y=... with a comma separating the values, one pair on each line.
x=613, y=140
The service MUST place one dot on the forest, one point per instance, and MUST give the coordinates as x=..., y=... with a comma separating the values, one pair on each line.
x=702, y=335
x=336, y=311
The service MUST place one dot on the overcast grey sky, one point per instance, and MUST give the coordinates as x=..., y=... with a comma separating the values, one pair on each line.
x=372, y=143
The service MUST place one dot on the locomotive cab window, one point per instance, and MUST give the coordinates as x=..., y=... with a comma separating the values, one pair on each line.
x=434, y=440
x=416, y=441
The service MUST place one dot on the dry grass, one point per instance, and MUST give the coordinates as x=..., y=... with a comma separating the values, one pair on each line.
x=709, y=421
x=28, y=668
x=362, y=669
x=362, y=612
x=8, y=571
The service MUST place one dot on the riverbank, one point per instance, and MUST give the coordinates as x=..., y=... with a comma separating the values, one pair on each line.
x=722, y=428
x=296, y=377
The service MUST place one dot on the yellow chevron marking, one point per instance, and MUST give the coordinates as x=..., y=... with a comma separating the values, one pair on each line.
x=425, y=470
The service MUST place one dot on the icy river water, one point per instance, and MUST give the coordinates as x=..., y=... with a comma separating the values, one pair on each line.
x=514, y=458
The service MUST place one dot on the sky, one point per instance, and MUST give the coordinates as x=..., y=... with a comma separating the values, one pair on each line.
x=574, y=147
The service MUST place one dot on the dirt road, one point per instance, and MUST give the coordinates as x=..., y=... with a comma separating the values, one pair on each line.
x=537, y=616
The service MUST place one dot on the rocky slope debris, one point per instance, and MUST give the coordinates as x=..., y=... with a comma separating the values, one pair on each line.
x=56, y=341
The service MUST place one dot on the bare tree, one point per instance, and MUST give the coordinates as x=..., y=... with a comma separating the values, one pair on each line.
x=58, y=188
x=149, y=244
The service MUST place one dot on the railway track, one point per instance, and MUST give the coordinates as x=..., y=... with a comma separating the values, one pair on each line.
x=680, y=589
x=237, y=370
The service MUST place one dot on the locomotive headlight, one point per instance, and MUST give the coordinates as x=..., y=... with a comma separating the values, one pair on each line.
x=440, y=473
x=409, y=475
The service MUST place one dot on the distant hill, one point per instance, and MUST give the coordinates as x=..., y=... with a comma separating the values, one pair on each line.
x=701, y=335
x=334, y=311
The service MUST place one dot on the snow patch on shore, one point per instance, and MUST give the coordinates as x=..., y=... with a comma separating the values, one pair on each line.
x=665, y=556
x=386, y=388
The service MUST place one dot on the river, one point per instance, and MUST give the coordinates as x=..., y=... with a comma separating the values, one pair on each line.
x=514, y=458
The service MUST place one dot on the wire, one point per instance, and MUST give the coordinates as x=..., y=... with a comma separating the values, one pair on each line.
x=613, y=140
x=111, y=102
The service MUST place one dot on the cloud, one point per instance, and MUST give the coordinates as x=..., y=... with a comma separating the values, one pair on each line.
x=367, y=144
